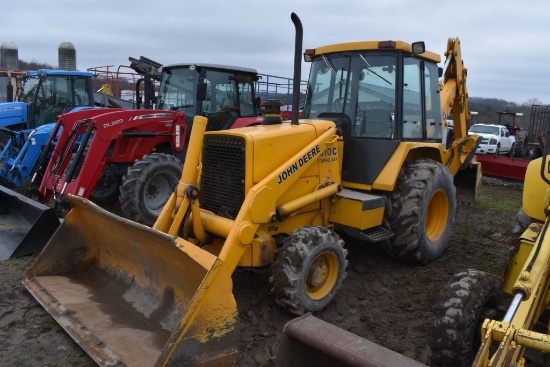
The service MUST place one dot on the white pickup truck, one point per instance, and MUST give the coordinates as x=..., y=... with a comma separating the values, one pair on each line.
x=495, y=139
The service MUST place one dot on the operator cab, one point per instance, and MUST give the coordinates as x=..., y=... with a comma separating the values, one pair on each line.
x=388, y=90
x=50, y=92
x=221, y=93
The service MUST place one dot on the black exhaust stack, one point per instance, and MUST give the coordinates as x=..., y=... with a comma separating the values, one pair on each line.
x=297, y=67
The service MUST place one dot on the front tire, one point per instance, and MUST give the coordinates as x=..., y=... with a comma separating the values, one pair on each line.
x=421, y=212
x=468, y=299
x=148, y=185
x=308, y=270
x=106, y=190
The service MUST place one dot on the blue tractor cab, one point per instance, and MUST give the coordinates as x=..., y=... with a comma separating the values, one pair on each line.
x=43, y=95
x=26, y=122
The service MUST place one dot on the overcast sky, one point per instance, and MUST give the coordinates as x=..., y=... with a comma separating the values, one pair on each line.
x=505, y=43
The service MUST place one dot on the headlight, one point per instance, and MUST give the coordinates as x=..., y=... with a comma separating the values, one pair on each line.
x=493, y=141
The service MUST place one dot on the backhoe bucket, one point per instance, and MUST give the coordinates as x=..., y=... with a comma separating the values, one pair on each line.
x=25, y=225
x=310, y=342
x=468, y=182
x=130, y=295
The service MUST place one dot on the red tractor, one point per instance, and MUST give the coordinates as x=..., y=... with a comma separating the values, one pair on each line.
x=136, y=155
x=94, y=149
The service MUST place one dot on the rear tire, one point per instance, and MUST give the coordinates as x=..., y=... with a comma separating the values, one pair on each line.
x=308, y=270
x=520, y=144
x=148, y=185
x=468, y=299
x=421, y=212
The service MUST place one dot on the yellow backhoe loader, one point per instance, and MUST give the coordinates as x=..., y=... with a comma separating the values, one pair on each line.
x=367, y=160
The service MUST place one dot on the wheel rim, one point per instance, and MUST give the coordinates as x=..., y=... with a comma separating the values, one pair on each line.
x=322, y=275
x=157, y=192
x=437, y=215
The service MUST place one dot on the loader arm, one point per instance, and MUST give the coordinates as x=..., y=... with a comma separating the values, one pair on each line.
x=17, y=164
x=56, y=153
x=113, y=137
x=43, y=162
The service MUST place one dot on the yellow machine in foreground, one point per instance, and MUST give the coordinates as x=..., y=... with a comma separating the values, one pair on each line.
x=367, y=160
x=470, y=316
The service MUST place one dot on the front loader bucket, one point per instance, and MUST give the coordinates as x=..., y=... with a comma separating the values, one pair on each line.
x=25, y=225
x=130, y=295
x=310, y=342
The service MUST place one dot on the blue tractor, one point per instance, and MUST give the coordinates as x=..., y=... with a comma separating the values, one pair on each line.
x=27, y=122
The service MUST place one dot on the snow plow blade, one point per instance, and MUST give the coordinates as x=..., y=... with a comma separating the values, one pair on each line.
x=308, y=341
x=130, y=295
x=25, y=224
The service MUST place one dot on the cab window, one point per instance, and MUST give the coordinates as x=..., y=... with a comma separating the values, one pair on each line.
x=421, y=101
x=412, y=102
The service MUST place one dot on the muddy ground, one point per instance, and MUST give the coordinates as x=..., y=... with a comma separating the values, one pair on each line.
x=381, y=300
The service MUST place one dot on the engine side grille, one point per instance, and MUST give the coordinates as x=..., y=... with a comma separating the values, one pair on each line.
x=223, y=175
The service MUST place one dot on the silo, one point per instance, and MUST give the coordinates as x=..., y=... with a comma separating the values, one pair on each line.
x=67, y=56
x=9, y=56
x=9, y=59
